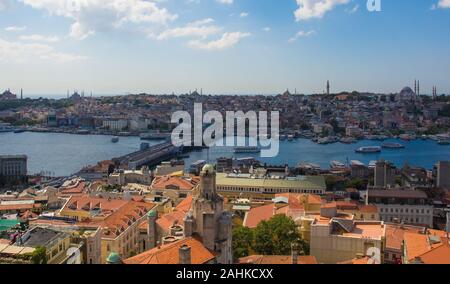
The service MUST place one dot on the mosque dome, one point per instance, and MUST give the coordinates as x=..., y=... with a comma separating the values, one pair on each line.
x=406, y=91
x=114, y=258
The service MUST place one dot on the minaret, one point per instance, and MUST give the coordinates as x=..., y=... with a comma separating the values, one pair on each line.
x=415, y=86
x=418, y=88
x=328, y=87
x=21, y=94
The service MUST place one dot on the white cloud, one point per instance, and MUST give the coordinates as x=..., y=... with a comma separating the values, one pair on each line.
x=308, y=9
x=23, y=52
x=15, y=29
x=353, y=10
x=267, y=29
x=37, y=37
x=92, y=15
x=226, y=41
x=227, y=2
x=302, y=34
x=444, y=4
x=243, y=14
x=202, y=29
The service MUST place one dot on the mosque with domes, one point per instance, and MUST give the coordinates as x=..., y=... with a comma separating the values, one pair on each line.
x=409, y=95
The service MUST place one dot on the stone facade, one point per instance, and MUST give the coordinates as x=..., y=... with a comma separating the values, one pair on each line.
x=208, y=220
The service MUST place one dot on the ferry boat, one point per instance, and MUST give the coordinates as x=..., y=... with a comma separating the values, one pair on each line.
x=115, y=139
x=390, y=145
x=369, y=150
x=249, y=149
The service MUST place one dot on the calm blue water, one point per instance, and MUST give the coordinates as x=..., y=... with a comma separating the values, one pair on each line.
x=64, y=154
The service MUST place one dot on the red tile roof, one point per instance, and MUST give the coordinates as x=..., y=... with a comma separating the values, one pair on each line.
x=174, y=182
x=276, y=259
x=116, y=215
x=419, y=247
x=362, y=260
x=176, y=216
x=169, y=254
x=259, y=214
x=395, y=234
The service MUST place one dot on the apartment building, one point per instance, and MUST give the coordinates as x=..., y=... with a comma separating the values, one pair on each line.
x=408, y=206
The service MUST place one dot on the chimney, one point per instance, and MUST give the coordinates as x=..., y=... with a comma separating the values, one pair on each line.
x=294, y=254
x=185, y=254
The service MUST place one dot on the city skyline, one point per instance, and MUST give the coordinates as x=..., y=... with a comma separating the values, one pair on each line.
x=222, y=47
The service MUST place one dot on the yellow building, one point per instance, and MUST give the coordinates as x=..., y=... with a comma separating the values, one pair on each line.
x=264, y=188
x=119, y=221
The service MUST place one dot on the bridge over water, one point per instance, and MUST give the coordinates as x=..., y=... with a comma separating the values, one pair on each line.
x=150, y=156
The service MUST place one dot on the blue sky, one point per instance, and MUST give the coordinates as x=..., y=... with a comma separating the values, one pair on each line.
x=222, y=46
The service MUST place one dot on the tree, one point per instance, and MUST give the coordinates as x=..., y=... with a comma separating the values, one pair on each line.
x=276, y=236
x=330, y=182
x=39, y=255
x=357, y=183
x=242, y=241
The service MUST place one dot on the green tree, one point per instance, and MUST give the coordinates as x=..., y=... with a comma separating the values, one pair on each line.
x=357, y=183
x=243, y=238
x=276, y=236
x=330, y=182
x=39, y=255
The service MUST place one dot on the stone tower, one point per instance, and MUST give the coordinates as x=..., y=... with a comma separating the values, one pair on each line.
x=152, y=215
x=207, y=219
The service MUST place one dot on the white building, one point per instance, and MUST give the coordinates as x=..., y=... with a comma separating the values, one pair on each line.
x=407, y=206
x=115, y=124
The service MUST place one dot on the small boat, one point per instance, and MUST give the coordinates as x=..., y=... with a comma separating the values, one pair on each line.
x=337, y=165
x=368, y=150
x=347, y=140
x=249, y=149
x=282, y=137
x=372, y=164
x=408, y=137
x=19, y=131
x=390, y=145
x=115, y=139
x=356, y=163
x=444, y=142
x=290, y=137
